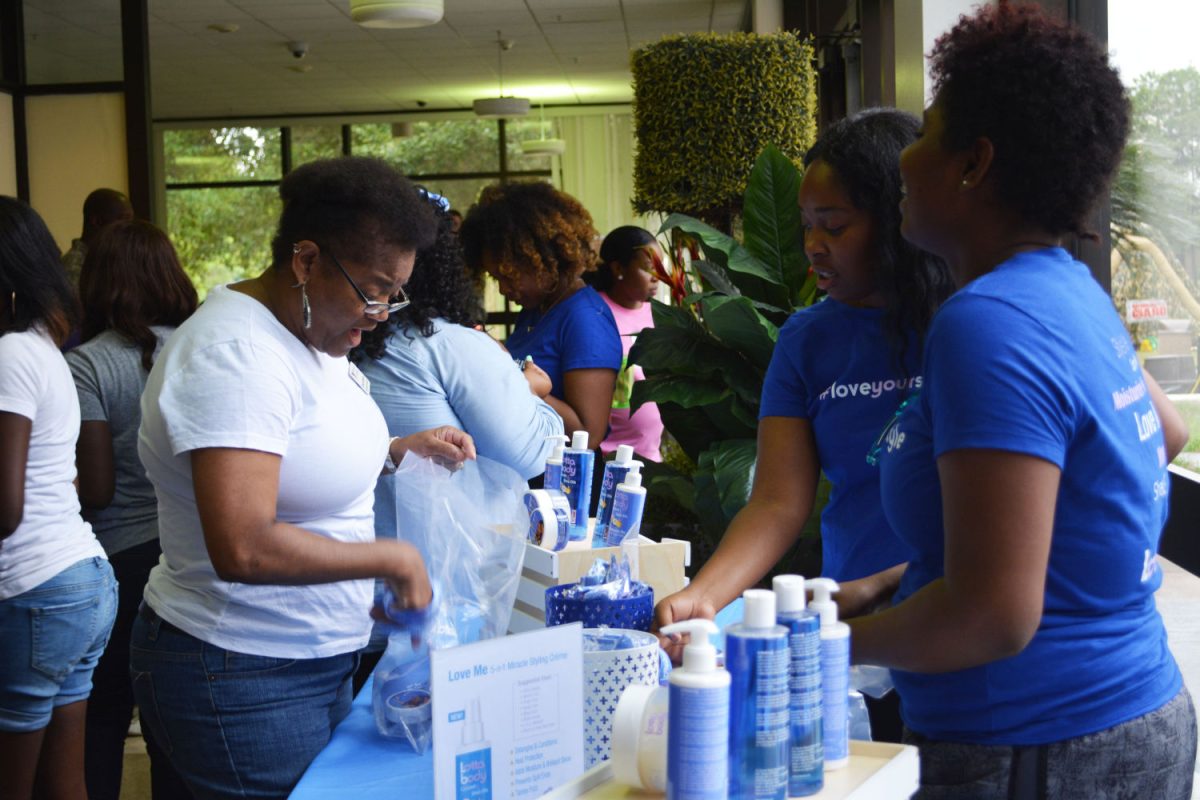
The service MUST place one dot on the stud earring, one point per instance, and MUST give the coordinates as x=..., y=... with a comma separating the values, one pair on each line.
x=295, y=249
x=965, y=182
x=620, y=277
x=305, y=308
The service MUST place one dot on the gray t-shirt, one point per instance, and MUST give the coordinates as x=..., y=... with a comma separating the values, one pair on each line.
x=109, y=379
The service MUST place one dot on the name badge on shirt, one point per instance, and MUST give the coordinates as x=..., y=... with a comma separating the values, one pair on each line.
x=363, y=381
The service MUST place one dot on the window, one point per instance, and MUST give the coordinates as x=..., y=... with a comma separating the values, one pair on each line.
x=1156, y=196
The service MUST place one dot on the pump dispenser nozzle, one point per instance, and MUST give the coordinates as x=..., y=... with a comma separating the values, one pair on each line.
x=823, y=591
x=698, y=655
x=561, y=442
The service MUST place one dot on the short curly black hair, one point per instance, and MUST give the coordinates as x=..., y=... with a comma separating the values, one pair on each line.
x=530, y=228
x=439, y=287
x=1043, y=91
x=352, y=205
x=864, y=152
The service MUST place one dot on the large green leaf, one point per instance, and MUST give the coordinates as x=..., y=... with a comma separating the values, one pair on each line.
x=684, y=390
x=715, y=276
x=771, y=216
x=729, y=424
x=724, y=249
x=724, y=475
x=736, y=322
x=691, y=427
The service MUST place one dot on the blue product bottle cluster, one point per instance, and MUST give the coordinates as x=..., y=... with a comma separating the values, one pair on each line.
x=614, y=474
x=756, y=655
x=806, y=754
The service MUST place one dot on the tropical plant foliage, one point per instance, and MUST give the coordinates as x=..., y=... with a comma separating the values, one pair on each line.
x=705, y=359
x=704, y=106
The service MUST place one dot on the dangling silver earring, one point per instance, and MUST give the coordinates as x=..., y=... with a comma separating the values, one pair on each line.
x=305, y=308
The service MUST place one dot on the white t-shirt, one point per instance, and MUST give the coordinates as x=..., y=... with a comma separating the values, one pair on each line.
x=233, y=376
x=36, y=383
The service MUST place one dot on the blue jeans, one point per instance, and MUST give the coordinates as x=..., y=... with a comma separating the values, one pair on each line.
x=233, y=724
x=53, y=636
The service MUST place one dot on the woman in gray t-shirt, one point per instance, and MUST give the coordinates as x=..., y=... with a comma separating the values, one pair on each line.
x=134, y=293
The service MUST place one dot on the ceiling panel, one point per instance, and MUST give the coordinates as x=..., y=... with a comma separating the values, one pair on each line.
x=580, y=46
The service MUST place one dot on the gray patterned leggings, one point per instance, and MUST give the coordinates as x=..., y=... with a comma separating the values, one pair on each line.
x=1148, y=758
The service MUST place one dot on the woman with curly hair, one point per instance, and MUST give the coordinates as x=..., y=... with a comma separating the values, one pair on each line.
x=57, y=592
x=428, y=368
x=134, y=295
x=1029, y=476
x=536, y=242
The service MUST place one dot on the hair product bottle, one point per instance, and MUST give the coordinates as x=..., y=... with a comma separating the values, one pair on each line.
x=698, y=719
x=835, y=674
x=806, y=756
x=756, y=655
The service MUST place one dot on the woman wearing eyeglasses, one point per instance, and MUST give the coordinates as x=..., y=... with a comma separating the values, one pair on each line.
x=626, y=282
x=263, y=445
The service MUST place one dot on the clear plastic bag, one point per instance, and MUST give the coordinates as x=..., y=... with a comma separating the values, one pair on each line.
x=469, y=527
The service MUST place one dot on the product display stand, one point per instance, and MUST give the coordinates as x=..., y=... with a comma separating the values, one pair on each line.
x=877, y=771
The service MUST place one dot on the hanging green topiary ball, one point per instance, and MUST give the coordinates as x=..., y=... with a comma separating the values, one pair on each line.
x=705, y=106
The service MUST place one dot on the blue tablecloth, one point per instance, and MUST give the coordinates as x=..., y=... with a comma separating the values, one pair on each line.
x=360, y=764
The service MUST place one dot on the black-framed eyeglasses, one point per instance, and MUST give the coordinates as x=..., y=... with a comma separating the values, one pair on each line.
x=371, y=308
x=889, y=432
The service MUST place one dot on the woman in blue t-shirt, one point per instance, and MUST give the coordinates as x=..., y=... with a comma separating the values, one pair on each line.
x=839, y=371
x=537, y=242
x=1029, y=476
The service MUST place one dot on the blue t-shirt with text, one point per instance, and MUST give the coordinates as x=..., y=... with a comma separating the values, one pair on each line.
x=577, y=333
x=832, y=366
x=1031, y=358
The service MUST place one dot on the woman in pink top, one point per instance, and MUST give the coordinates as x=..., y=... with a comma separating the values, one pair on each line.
x=626, y=281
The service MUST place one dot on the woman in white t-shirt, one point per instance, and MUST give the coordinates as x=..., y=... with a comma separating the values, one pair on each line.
x=627, y=281
x=57, y=592
x=263, y=445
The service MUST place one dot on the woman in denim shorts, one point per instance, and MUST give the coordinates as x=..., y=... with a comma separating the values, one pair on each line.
x=57, y=593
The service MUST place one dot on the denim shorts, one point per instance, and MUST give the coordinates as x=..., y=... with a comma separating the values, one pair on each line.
x=1151, y=757
x=234, y=724
x=53, y=636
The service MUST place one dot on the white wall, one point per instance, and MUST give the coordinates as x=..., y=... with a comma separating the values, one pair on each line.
x=918, y=25
x=8, y=147
x=76, y=144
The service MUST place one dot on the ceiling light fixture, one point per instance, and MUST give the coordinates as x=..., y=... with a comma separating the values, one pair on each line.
x=396, y=13
x=495, y=107
x=543, y=146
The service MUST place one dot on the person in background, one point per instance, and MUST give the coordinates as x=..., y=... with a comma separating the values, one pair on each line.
x=627, y=282
x=1029, y=477
x=881, y=295
x=428, y=367
x=535, y=241
x=456, y=219
x=263, y=445
x=134, y=294
x=57, y=592
x=101, y=208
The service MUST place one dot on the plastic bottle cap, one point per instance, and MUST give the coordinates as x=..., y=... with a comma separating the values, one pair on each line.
x=789, y=593
x=624, y=454
x=759, y=608
x=699, y=655
x=561, y=444
x=579, y=440
x=632, y=478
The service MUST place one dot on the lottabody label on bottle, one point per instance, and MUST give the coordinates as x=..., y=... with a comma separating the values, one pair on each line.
x=698, y=743
x=758, y=747
x=614, y=476
x=806, y=757
x=626, y=517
